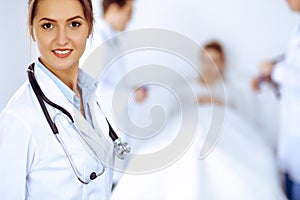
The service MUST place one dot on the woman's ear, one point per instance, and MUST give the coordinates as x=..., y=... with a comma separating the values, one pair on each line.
x=31, y=33
x=90, y=33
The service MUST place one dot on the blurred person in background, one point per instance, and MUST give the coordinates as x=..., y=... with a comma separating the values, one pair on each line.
x=116, y=14
x=211, y=86
x=284, y=74
x=233, y=158
x=212, y=65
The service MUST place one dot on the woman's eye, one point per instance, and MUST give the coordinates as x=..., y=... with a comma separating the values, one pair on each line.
x=75, y=24
x=47, y=26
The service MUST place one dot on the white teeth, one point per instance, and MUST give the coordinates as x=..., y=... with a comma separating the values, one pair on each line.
x=62, y=52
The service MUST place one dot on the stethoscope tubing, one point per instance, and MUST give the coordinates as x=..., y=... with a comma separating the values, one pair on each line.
x=42, y=98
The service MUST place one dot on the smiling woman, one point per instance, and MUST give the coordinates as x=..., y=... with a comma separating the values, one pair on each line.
x=62, y=165
x=61, y=37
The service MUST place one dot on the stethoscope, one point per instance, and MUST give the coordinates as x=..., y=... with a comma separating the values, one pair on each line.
x=121, y=149
x=263, y=78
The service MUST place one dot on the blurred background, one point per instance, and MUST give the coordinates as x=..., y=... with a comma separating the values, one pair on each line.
x=251, y=32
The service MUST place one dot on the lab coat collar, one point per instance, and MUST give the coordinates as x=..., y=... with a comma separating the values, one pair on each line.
x=92, y=139
x=86, y=83
x=51, y=90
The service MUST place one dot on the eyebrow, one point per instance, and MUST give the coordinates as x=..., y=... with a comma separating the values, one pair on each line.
x=70, y=19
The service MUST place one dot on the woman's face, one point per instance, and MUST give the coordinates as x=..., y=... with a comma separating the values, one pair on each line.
x=294, y=5
x=212, y=62
x=123, y=15
x=60, y=30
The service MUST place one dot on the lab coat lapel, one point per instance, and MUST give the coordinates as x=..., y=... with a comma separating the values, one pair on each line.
x=51, y=90
x=97, y=142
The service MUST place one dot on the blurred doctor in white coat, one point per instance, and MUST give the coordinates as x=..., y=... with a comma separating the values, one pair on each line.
x=116, y=14
x=284, y=74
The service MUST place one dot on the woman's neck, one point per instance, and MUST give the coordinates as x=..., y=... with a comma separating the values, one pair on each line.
x=67, y=76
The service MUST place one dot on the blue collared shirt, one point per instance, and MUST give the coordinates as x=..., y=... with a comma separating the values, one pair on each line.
x=85, y=83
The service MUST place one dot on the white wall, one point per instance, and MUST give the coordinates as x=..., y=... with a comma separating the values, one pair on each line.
x=14, y=51
x=250, y=30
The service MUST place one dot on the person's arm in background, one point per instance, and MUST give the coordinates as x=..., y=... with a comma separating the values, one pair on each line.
x=265, y=71
x=207, y=99
x=141, y=93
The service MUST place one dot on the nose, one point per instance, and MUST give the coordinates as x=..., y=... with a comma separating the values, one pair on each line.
x=62, y=38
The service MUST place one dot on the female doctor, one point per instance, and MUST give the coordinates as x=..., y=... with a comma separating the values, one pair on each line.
x=54, y=140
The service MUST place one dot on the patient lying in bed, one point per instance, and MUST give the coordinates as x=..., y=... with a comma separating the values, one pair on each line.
x=236, y=164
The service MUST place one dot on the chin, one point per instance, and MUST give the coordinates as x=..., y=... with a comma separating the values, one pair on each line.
x=64, y=65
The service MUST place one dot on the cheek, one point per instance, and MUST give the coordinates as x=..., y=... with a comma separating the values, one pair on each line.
x=208, y=70
x=297, y=5
x=127, y=15
x=42, y=42
x=124, y=17
x=220, y=65
x=80, y=42
x=40, y=37
x=294, y=4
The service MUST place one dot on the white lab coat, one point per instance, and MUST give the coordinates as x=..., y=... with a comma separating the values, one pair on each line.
x=33, y=163
x=286, y=73
x=112, y=71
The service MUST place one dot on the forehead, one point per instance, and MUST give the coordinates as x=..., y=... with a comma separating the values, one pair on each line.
x=59, y=9
x=211, y=53
x=128, y=4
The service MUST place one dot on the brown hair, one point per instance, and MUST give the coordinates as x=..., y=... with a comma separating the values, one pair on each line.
x=107, y=3
x=85, y=4
x=215, y=45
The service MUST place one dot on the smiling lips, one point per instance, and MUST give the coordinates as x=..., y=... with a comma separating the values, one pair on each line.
x=62, y=53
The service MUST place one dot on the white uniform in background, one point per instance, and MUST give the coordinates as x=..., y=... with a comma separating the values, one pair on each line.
x=111, y=75
x=287, y=73
x=33, y=163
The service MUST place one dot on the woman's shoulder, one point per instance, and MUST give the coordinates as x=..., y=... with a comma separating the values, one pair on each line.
x=17, y=124
x=20, y=110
